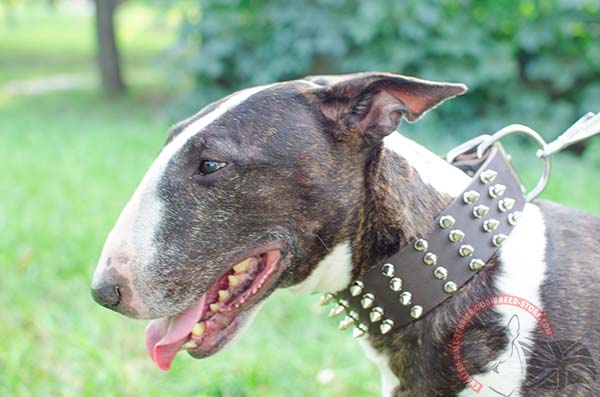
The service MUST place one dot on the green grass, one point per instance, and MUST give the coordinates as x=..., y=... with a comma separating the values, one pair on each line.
x=69, y=162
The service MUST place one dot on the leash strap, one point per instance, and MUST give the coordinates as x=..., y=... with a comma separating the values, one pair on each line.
x=429, y=270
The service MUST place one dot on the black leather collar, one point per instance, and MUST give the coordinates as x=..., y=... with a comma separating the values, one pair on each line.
x=406, y=286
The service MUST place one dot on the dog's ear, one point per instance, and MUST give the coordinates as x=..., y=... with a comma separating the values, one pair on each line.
x=374, y=103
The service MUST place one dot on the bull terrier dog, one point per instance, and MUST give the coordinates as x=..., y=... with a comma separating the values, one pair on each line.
x=306, y=184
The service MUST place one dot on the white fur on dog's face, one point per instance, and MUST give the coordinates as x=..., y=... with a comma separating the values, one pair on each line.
x=130, y=246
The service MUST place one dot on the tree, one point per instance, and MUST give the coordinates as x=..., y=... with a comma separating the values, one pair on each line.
x=107, y=49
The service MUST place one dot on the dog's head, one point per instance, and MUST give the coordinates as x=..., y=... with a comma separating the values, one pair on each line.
x=245, y=197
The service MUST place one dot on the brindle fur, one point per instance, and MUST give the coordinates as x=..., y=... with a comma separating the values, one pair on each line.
x=308, y=168
x=292, y=149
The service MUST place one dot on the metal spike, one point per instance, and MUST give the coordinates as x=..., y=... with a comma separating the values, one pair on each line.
x=345, y=323
x=490, y=225
x=420, y=244
x=466, y=250
x=476, y=264
x=376, y=314
x=479, y=211
x=506, y=204
x=440, y=272
x=469, y=197
x=337, y=310
x=496, y=190
x=387, y=270
x=350, y=319
x=450, y=287
x=396, y=284
x=357, y=288
x=405, y=298
x=456, y=235
x=416, y=311
x=360, y=330
x=447, y=221
x=430, y=259
x=367, y=301
x=514, y=217
x=386, y=326
x=487, y=176
x=499, y=239
x=326, y=298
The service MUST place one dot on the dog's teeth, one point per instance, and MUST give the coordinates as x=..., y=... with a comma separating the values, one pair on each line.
x=223, y=295
x=214, y=307
x=199, y=329
x=233, y=280
x=242, y=266
x=189, y=345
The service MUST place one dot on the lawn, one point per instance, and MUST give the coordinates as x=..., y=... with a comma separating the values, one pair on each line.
x=69, y=162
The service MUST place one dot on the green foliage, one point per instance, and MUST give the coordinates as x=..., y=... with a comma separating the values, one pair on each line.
x=534, y=62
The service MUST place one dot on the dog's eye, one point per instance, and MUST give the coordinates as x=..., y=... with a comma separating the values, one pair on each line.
x=210, y=166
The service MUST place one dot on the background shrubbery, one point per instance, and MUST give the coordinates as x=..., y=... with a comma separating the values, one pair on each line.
x=537, y=62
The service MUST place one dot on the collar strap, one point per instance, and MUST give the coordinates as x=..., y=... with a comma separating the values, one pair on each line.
x=406, y=286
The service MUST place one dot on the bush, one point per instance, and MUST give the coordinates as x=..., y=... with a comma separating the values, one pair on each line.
x=534, y=62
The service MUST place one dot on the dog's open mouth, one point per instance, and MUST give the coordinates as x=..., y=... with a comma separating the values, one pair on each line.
x=207, y=325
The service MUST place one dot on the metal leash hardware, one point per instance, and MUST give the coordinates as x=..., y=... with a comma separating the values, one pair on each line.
x=585, y=127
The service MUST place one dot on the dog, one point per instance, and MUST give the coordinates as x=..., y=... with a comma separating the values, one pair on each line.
x=304, y=185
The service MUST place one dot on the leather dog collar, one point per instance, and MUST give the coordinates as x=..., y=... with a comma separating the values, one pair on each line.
x=423, y=274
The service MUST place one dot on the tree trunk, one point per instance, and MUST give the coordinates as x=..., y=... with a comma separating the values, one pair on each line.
x=107, y=51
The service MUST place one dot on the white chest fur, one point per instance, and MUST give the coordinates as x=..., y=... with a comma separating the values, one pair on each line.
x=522, y=272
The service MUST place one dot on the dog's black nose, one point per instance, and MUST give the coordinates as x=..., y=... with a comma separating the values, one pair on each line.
x=107, y=295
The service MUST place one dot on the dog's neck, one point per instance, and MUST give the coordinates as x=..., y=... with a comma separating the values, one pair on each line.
x=406, y=184
x=409, y=186
x=408, y=190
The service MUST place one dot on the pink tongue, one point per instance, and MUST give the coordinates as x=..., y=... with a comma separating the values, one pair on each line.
x=165, y=336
